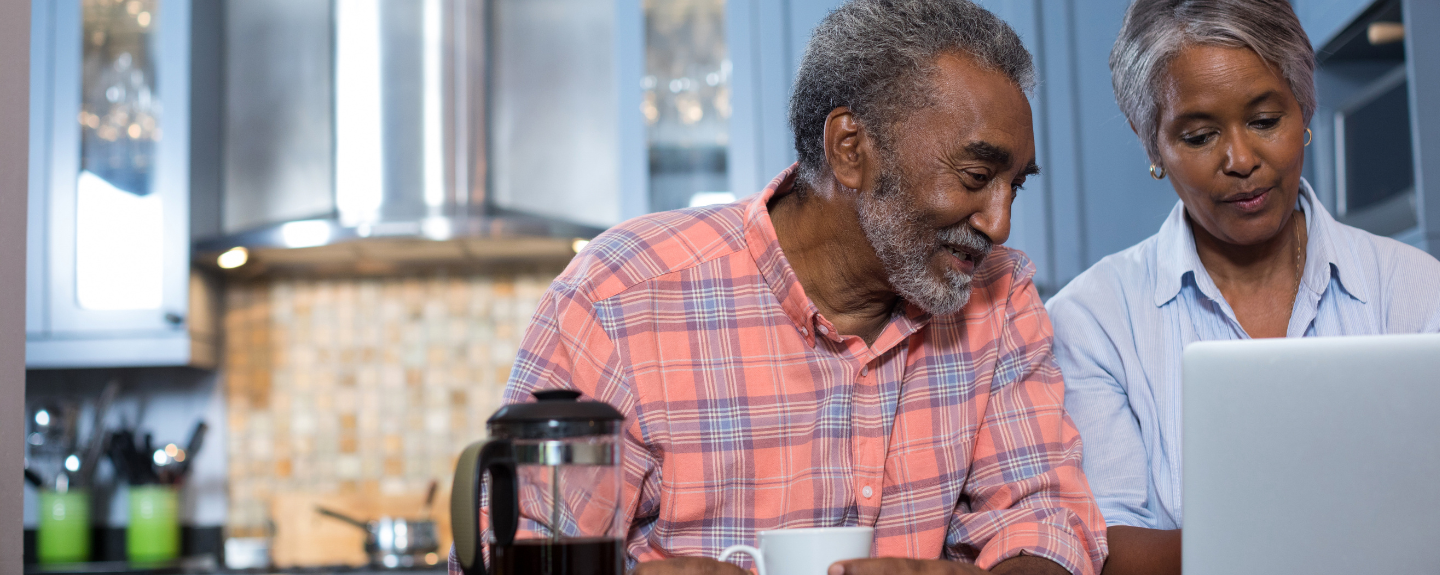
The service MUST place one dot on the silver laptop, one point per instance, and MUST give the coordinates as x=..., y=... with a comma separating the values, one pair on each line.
x=1316, y=455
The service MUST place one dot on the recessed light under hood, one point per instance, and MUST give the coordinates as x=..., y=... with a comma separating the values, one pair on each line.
x=361, y=122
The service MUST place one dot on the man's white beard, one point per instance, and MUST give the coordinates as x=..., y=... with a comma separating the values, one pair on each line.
x=898, y=235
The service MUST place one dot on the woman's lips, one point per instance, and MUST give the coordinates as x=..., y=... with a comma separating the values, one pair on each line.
x=1251, y=201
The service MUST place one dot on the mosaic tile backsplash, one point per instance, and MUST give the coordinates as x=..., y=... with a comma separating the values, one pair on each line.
x=363, y=386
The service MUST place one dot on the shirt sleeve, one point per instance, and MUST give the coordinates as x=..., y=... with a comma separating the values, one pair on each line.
x=566, y=347
x=1026, y=491
x=1116, y=463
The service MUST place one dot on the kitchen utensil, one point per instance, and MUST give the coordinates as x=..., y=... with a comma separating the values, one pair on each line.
x=303, y=538
x=51, y=438
x=392, y=542
x=96, y=446
x=192, y=447
x=167, y=463
x=136, y=466
x=69, y=427
x=122, y=443
x=554, y=450
x=430, y=498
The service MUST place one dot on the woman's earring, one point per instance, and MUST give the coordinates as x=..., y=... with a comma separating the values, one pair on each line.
x=1309, y=136
x=1157, y=172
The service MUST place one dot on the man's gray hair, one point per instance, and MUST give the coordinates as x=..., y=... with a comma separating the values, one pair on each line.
x=1155, y=31
x=876, y=57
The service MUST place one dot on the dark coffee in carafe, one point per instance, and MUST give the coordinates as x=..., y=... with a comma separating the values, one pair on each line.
x=588, y=556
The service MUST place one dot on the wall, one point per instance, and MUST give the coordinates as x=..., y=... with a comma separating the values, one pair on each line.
x=363, y=387
x=14, y=134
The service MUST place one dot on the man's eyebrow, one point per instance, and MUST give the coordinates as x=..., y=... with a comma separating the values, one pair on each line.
x=987, y=152
x=1031, y=169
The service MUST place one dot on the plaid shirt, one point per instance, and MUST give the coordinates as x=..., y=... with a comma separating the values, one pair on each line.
x=746, y=411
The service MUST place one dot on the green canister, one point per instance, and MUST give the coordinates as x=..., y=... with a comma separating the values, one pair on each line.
x=64, y=535
x=154, y=531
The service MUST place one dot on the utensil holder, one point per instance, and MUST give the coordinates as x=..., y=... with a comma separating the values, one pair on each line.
x=154, y=530
x=64, y=534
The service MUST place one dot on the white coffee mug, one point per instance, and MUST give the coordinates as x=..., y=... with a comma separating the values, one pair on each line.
x=805, y=551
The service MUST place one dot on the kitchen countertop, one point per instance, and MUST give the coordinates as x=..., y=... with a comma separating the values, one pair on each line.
x=208, y=566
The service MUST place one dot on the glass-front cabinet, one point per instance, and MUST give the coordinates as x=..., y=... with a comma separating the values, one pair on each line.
x=110, y=282
x=686, y=103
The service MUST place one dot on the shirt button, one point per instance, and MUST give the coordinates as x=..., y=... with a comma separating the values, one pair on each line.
x=867, y=491
x=864, y=371
x=804, y=331
x=824, y=330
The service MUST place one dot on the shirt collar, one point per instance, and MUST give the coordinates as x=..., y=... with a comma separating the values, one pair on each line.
x=764, y=247
x=1176, y=255
x=1325, y=255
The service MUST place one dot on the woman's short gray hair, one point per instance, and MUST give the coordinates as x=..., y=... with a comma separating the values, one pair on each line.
x=1156, y=30
x=875, y=57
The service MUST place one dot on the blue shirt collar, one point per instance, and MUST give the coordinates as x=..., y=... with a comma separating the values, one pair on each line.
x=1176, y=255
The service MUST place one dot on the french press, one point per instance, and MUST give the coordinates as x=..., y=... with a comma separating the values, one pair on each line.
x=553, y=490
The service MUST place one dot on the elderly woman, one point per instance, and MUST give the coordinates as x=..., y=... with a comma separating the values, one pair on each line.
x=1219, y=93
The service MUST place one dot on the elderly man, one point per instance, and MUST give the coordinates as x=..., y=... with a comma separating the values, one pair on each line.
x=851, y=346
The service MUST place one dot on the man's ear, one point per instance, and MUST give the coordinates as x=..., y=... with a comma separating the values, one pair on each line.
x=847, y=148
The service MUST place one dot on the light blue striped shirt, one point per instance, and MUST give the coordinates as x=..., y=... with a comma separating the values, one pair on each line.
x=1121, y=326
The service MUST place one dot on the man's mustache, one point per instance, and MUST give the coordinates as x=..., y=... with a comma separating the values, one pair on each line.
x=968, y=238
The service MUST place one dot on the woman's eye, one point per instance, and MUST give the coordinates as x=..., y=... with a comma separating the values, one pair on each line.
x=1197, y=139
x=1265, y=123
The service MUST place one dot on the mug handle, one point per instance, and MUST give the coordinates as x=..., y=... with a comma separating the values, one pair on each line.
x=748, y=550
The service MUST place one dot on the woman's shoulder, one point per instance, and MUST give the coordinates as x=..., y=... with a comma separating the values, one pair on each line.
x=1382, y=252
x=1382, y=267
x=1122, y=272
x=1116, y=282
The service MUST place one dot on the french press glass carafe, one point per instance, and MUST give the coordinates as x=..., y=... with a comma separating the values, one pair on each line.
x=553, y=490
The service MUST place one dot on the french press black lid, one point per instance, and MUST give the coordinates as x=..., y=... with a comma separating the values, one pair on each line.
x=555, y=414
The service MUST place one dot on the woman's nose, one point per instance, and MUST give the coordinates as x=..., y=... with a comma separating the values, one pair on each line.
x=1240, y=157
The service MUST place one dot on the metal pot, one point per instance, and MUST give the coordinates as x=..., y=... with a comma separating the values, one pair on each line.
x=394, y=542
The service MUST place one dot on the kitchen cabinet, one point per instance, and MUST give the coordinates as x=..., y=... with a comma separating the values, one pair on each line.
x=1325, y=19
x=1374, y=143
x=108, y=261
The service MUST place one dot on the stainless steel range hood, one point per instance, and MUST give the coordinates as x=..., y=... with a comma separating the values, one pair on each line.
x=362, y=124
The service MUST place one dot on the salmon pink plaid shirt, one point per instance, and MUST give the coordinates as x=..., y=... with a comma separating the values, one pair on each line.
x=746, y=411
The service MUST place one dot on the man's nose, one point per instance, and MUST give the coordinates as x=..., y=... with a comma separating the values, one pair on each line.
x=993, y=219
